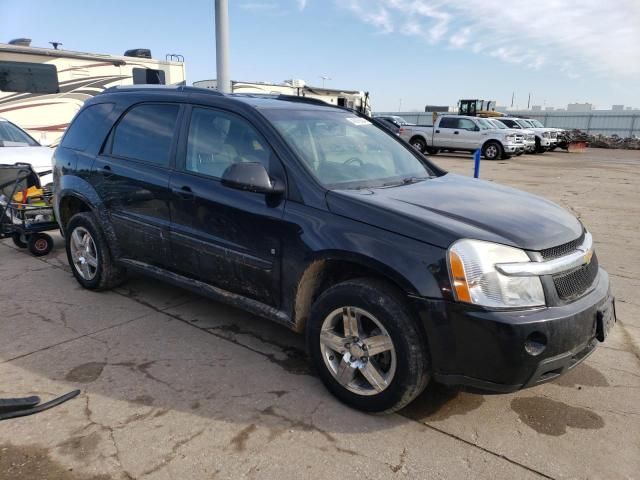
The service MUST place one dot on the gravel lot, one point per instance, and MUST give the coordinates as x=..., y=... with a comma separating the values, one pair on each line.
x=177, y=386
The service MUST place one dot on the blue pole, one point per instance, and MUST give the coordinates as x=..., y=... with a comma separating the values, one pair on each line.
x=476, y=164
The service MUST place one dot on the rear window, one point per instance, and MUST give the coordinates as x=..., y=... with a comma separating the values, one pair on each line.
x=145, y=133
x=148, y=76
x=448, y=122
x=89, y=123
x=28, y=77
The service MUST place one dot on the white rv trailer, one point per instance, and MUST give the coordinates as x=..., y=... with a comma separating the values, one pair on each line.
x=354, y=99
x=41, y=89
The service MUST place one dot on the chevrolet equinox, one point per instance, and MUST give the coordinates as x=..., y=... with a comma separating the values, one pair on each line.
x=312, y=216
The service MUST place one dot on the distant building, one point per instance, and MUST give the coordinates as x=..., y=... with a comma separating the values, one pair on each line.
x=549, y=109
x=436, y=108
x=579, y=107
x=617, y=108
x=536, y=108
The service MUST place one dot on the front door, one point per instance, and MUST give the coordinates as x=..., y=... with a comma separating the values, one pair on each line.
x=132, y=178
x=228, y=238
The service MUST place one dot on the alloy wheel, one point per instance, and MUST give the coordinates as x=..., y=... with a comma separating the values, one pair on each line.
x=84, y=253
x=358, y=351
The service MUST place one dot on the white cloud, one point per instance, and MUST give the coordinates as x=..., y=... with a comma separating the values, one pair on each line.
x=586, y=36
x=301, y=4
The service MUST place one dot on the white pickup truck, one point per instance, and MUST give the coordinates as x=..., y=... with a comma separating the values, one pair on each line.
x=465, y=133
x=546, y=138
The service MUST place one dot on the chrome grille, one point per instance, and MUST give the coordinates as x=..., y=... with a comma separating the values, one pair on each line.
x=570, y=285
x=562, y=250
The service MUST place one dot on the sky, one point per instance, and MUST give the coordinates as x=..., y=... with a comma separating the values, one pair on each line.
x=406, y=53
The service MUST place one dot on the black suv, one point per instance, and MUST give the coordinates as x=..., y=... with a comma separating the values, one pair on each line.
x=311, y=216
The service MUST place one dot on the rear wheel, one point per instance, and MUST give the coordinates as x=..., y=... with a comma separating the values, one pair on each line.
x=433, y=151
x=40, y=244
x=89, y=255
x=492, y=151
x=419, y=144
x=367, y=347
x=20, y=240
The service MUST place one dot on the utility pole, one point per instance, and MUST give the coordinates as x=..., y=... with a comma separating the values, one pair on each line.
x=529, y=102
x=222, y=46
x=324, y=78
x=513, y=94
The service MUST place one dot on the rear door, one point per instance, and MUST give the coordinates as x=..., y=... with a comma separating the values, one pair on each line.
x=447, y=134
x=131, y=176
x=225, y=237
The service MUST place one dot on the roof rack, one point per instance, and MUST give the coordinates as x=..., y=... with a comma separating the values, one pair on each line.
x=161, y=88
x=283, y=97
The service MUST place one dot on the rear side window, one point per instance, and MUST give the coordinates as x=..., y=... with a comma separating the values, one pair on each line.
x=28, y=77
x=86, y=126
x=145, y=133
x=449, y=122
x=148, y=76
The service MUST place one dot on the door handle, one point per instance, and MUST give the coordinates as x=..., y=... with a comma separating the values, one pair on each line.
x=184, y=192
x=106, y=171
x=437, y=131
x=456, y=133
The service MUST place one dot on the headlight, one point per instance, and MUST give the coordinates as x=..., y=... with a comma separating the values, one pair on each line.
x=475, y=279
x=546, y=135
x=511, y=138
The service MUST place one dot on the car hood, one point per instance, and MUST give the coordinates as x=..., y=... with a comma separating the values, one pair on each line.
x=38, y=157
x=442, y=210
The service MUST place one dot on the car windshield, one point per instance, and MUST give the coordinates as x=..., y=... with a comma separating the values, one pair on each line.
x=497, y=124
x=345, y=151
x=400, y=121
x=524, y=123
x=536, y=123
x=485, y=124
x=12, y=136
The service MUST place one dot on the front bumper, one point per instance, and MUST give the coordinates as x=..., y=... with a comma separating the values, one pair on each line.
x=513, y=147
x=486, y=349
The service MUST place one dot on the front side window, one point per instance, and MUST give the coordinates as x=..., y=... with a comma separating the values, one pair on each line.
x=466, y=124
x=148, y=76
x=10, y=133
x=28, y=77
x=510, y=123
x=145, y=133
x=345, y=151
x=218, y=139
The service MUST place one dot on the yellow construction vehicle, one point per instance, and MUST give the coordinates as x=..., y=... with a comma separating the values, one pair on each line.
x=480, y=108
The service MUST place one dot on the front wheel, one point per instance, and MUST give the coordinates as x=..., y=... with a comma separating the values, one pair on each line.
x=433, y=151
x=367, y=347
x=492, y=151
x=89, y=254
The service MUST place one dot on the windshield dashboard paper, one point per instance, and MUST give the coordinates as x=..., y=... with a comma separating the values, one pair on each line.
x=358, y=121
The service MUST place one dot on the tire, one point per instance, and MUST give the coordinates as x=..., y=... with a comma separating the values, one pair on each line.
x=419, y=144
x=90, y=257
x=539, y=147
x=492, y=151
x=381, y=312
x=432, y=150
x=551, y=149
x=40, y=244
x=20, y=241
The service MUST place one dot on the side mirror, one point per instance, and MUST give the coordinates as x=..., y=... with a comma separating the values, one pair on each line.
x=252, y=177
x=476, y=128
